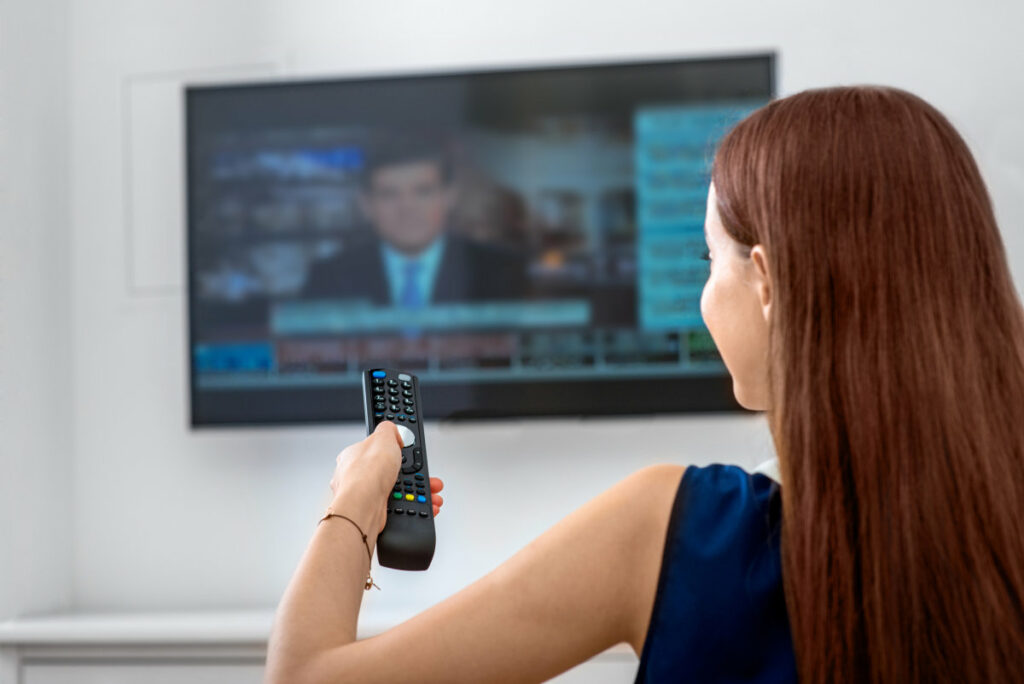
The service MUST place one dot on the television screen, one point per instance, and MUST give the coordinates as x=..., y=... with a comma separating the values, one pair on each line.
x=528, y=242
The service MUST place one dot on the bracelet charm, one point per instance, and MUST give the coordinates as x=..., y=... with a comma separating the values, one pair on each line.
x=369, y=578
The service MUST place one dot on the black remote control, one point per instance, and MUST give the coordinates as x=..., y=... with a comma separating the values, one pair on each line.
x=407, y=540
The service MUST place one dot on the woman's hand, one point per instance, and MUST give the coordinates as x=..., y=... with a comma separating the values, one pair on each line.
x=370, y=467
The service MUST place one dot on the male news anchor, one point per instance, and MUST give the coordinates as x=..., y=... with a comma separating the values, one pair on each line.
x=413, y=258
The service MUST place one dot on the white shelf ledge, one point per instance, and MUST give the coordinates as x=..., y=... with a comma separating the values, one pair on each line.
x=213, y=628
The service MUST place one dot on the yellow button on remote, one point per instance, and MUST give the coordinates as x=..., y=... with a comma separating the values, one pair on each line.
x=409, y=497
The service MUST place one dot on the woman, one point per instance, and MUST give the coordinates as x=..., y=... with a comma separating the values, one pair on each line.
x=859, y=294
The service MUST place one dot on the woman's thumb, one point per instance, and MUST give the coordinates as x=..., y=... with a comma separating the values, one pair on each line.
x=386, y=429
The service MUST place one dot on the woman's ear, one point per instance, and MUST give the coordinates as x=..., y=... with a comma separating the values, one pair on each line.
x=762, y=278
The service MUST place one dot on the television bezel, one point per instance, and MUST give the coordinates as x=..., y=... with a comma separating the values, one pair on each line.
x=634, y=396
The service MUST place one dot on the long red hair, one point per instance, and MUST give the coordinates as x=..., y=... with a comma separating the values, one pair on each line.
x=897, y=381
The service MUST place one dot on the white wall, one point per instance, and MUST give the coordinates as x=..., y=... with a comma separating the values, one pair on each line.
x=168, y=518
x=35, y=334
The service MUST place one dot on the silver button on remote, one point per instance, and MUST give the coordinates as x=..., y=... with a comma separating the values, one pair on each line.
x=407, y=436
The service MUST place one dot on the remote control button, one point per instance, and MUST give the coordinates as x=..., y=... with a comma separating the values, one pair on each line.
x=409, y=497
x=378, y=397
x=398, y=488
x=379, y=374
x=397, y=495
x=408, y=402
x=412, y=419
x=423, y=514
x=408, y=438
x=407, y=393
x=407, y=385
x=421, y=499
x=410, y=511
x=404, y=376
x=394, y=408
x=408, y=488
x=399, y=511
x=418, y=476
x=390, y=416
x=378, y=414
x=379, y=406
x=417, y=453
x=392, y=383
x=392, y=390
x=400, y=416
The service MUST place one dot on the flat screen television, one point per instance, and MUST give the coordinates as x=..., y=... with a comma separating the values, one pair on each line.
x=529, y=242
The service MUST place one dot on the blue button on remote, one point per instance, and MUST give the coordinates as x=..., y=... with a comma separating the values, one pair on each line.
x=379, y=374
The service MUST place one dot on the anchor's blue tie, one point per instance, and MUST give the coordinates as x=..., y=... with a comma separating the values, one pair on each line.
x=411, y=297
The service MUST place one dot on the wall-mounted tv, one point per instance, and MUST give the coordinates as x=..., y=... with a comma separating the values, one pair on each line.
x=527, y=241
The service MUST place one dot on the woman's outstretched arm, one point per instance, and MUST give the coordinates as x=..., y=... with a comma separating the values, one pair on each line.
x=583, y=586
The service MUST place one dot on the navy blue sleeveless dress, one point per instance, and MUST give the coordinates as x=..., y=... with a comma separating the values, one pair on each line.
x=719, y=612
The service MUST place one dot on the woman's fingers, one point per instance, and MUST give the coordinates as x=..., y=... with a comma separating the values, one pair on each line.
x=436, y=499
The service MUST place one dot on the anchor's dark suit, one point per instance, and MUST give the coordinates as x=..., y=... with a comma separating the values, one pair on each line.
x=468, y=271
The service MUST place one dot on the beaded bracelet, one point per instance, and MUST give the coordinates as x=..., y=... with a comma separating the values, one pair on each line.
x=331, y=514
